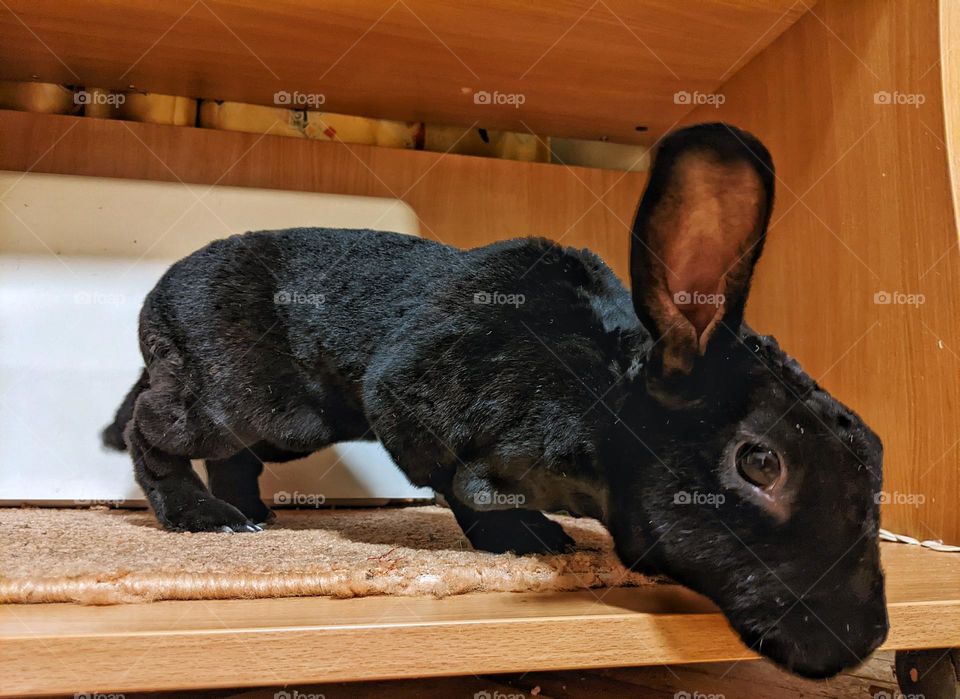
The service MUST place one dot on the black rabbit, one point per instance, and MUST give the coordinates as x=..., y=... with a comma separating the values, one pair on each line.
x=522, y=377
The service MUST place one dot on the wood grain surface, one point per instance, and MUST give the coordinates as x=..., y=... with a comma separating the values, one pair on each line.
x=584, y=68
x=461, y=200
x=861, y=275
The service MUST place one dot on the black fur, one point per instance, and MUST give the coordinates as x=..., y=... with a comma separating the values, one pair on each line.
x=112, y=434
x=551, y=396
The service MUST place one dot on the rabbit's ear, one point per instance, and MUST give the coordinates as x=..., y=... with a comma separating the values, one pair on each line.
x=698, y=233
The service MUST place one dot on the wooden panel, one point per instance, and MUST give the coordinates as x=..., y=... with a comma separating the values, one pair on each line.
x=756, y=680
x=407, y=59
x=850, y=102
x=63, y=648
x=461, y=200
x=950, y=69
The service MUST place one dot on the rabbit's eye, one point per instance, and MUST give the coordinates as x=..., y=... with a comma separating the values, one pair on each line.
x=758, y=465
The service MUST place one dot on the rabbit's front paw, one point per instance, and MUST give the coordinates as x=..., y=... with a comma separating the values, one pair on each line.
x=520, y=531
x=544, y=537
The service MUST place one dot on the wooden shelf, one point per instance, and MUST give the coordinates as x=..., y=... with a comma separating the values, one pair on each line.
x=585, y=69
x=63, y=648
x=461, y=200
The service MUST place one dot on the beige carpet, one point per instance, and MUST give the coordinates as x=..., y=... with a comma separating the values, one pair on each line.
x=114, y=556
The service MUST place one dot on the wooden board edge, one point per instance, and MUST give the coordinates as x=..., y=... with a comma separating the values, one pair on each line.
x=137, y=661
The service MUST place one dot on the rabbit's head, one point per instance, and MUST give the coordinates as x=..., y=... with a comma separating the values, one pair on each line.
x=736, y=474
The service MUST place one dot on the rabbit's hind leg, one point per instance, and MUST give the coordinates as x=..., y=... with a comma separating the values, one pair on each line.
x=161, y=438
x=236, y=478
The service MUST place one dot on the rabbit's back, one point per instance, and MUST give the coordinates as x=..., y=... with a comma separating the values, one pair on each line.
x=313, y=295
x=271, y=332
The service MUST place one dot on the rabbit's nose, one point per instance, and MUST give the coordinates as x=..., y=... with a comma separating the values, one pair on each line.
x=824, y=635
x=834, y=639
